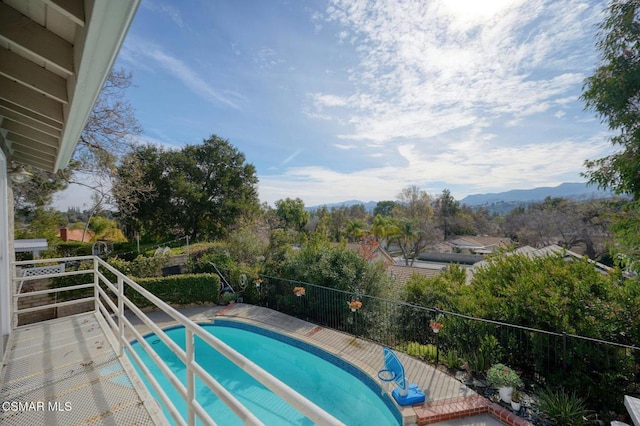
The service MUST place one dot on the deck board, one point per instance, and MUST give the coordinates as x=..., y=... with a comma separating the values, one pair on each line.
x=65, y=372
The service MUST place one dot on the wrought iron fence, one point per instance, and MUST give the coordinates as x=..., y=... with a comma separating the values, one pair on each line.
x=603, y=372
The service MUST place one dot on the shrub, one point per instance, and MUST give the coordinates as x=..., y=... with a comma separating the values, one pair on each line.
x=140, y=267
x=217, y=254
x=565, y=409
x=452, y=359
x=74, y=248
x=499, y=375
x=489, y=351
x=426, y=352
x=72, y=280
x=178, y=289
x=229, y=297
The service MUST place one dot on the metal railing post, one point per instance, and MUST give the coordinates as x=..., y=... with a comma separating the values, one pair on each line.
x=191, y=383
x=564, y=353
x=96, y=283
x=14, y=298
x=120, y=316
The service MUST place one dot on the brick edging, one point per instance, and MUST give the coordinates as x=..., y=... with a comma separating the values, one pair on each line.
x=455, y=408
x=506, y=416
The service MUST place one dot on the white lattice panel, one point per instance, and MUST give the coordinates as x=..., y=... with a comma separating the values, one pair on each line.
x=43, y=270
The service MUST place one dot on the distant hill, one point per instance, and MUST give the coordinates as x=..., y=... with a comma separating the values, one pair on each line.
x=516, y=196
x=368, y=206
x=503, y=202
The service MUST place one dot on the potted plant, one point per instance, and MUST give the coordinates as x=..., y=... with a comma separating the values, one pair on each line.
x=505, y=379
x=298, y=291
x=516, y=398
x=436, y=325
x=354, y=305
x=229, y=298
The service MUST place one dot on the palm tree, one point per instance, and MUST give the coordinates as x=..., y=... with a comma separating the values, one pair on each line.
x=355, y=230
x=410, y=240
x=384, y=228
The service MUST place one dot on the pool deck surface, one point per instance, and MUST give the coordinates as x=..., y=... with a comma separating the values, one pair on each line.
x=449, y=402
x=66, y=372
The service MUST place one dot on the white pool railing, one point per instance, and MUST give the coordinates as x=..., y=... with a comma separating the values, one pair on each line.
x=104, y=294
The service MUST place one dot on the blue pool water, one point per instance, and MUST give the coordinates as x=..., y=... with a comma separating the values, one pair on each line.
x=334, y=385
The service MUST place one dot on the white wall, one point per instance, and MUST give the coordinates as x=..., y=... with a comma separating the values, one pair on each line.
x=5, y=254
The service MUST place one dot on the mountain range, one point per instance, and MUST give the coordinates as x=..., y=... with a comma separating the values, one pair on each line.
x=575, y=190
x=508, y=199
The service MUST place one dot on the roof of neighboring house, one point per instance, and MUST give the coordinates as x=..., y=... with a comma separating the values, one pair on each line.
x=459, y=258
x=401, y=274
x=35, y=244
x=75, y=235
x=479, y=242
x=377, y=252
x=555, y=249
x=550, y=250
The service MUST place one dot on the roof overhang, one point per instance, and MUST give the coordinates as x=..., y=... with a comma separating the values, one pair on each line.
x=55, y=56
x=30, y=245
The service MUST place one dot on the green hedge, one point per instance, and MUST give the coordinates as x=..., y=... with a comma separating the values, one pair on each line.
x=140, y=267
x=178, y=289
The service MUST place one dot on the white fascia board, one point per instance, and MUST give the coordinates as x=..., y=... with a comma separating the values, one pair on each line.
x=105, y=30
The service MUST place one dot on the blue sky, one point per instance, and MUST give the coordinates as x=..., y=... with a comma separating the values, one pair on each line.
x=334, y=100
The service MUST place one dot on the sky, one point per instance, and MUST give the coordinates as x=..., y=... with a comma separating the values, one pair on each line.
x=335, y=100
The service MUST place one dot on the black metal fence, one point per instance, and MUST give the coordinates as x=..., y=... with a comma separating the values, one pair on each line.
x=601, y=372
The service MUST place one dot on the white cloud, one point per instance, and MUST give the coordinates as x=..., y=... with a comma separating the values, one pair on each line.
x=169, y=10
x=192, y=79
x=427, y=68
x=267, y=58
x=328, y=100
x=149, y=56
x=480, y=95
x=344, y=147
x=474, y=164
x=149, y=140
x=291, y=157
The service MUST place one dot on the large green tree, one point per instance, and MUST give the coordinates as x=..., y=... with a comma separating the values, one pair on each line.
x=415, y=222
x=318, y=262
x=292, y=213
x=613, y=92
x=384, y=208
x=201, y=190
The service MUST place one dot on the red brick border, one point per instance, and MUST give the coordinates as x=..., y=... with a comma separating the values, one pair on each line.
x=455, y=408
x=507, y=416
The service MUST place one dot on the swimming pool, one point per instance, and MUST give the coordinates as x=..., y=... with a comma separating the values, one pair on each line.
x=333, y=384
